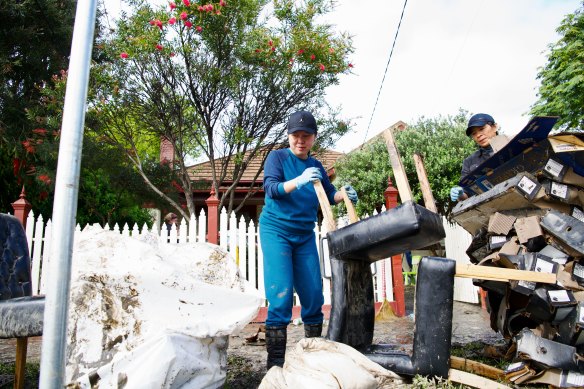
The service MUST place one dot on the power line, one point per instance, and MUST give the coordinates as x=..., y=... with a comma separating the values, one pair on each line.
x=386, y=67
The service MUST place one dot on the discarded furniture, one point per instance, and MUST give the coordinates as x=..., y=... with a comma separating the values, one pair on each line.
x=353, y=248
x=21, y=314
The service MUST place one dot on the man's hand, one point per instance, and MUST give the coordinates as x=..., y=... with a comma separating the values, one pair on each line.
x=308, y=175
x=455, y=193
x=352, y=194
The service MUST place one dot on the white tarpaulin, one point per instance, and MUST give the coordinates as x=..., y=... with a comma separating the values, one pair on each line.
x=320, y=363
x=143, y=315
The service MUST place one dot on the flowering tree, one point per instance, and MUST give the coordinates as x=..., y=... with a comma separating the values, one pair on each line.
x=35, y=41
x=216, y=79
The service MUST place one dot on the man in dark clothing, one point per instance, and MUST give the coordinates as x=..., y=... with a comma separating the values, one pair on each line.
x=481, y=128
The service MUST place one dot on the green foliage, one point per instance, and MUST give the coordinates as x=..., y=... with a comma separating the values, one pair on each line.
x=561, y=91
x=440, y=141
x=35, y=40
x=108, y=187
x=216, y=79
x=367, y=171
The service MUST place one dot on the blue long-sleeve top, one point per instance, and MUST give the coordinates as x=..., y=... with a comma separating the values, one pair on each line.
x=296, y=211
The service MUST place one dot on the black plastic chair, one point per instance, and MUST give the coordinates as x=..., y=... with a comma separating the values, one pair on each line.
x=21, y=314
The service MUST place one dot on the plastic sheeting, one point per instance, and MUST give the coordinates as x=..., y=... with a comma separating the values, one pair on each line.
x=321, y=363
x=148, y=315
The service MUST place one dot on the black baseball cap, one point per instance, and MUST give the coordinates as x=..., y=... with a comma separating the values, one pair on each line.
x=479, y=120
x=301, y=121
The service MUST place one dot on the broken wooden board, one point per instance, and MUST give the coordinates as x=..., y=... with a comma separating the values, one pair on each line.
x=475, y=367
x=429, y=201
x=502, y=274
x=462, y=377
x=325, y=206
x=401, y=180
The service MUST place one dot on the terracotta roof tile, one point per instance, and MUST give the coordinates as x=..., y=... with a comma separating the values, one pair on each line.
x=202, y=171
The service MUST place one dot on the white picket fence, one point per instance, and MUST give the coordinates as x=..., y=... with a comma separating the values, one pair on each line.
x=241, y=240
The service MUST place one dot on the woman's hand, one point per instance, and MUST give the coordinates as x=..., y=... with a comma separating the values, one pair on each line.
x=352, y=194
x=308, y=175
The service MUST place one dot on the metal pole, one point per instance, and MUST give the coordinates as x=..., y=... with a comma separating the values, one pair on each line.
x=65, y=204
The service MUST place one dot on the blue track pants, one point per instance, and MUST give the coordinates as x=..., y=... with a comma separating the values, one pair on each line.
x=291, y=262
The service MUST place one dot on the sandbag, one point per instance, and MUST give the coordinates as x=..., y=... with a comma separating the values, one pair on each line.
x=321, y=363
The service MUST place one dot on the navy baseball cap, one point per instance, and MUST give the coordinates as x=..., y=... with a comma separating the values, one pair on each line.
x=479, y=120
x=301, y=121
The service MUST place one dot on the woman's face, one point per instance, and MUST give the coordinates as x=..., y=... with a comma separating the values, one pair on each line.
x=301, y=142
x=482, y=135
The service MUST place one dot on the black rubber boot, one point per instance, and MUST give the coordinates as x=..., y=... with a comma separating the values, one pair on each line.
x=276, y=345
x=312, y=330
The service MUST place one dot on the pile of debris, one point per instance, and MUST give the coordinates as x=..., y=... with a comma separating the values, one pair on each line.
x=526, y=213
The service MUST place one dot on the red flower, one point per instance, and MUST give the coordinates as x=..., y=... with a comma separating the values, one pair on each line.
x=321, y=66
x=209, y=7
x=331, y=50
x=177, y=186
x=217, y=12
x=201, y=8
x=273, y=48
x=172, y=54
x=258, y=50
x=350, y=65
x=45, y=178
x=172, y=20
x=172, y=6
x=270, y=43
x=312, y=57
x=124, y=55
x=222, y=3
x=199, y=28
x=158, y=23
x=40, y=131
x=188, y=24
x=186, y=2
x=152, y=22
x=16, y=164
x=300, y=52
x=184, y=15
x=159, y=47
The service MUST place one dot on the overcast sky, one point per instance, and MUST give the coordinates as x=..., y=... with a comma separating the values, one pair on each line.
x=479, y=55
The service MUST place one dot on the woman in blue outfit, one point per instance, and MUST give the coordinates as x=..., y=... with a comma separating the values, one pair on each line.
x=287, y=234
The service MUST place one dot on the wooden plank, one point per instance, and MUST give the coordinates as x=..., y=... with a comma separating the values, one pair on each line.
x=350, y=206
x=401, y=180
x=325, y=206
x=20, y=363
x=475, y=367
x=429, y=201
x=473, y=380
x=502, y=274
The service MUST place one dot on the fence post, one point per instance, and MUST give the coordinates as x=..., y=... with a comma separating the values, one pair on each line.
x=390, y=195
x=21, y=208
x=213, y=218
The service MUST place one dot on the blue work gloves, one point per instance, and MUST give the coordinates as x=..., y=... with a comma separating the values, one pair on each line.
x=455, y=193
x=308, y=175
x=352, y=193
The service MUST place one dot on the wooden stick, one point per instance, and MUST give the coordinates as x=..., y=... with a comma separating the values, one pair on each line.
x=20, y=368
x=502, y=274
x=353, y=218
x=403, y=186
x=473, y=380
x=429, y=201
x=476, y=368
x=325, y=206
